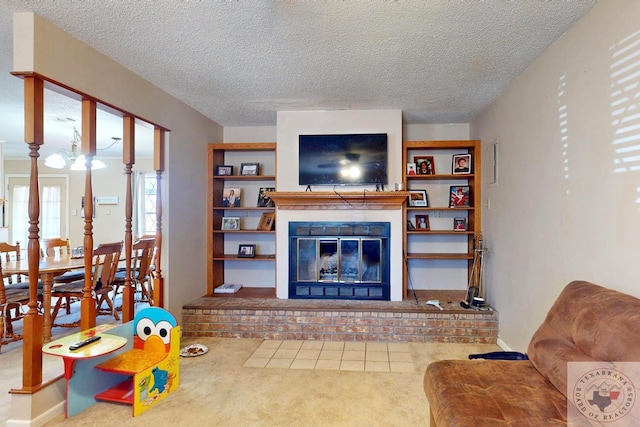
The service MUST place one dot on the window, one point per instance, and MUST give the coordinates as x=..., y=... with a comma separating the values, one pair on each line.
x=51, y=210
x=150, y=197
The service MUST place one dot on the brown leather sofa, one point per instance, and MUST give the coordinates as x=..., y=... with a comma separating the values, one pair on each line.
x=586, y=323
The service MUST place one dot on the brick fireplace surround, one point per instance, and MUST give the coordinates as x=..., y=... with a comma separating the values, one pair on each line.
x=255, y=313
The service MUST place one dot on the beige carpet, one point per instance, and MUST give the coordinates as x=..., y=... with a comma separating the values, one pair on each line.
x=248, y=382
x=216, y=389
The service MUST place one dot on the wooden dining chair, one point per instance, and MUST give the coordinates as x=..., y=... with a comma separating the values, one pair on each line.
x=55, y=246
x=59, y=247
x=105, y=264
x=142, y=257
x=14, y=293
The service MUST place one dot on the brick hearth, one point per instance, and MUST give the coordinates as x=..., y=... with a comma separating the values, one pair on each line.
x=242, y=315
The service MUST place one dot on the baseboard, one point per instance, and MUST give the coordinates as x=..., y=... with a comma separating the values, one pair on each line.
x=503, y=345
x=39, y=408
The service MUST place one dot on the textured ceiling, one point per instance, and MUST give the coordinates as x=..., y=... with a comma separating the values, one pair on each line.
x=239, y=62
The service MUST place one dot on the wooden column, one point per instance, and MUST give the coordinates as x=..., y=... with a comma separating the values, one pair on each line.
x=128, y=158
x=158, y=165
x=88, y=149
x=33, y=327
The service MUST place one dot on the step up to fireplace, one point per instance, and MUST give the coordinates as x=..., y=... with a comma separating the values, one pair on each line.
x=339, y=320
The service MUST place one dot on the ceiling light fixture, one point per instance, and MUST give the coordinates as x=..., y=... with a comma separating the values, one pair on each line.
x=78, y=162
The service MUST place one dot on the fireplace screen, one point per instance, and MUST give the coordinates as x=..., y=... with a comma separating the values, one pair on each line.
x=343, y=260
x=339, y=260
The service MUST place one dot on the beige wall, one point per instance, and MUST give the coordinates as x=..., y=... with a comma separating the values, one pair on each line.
x=43, y=48
x=566, y=205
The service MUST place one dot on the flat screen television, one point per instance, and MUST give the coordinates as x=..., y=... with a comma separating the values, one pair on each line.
x=346, y=159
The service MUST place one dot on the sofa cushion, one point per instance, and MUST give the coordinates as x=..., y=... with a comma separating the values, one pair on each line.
x=492, y=393
x=586, y=323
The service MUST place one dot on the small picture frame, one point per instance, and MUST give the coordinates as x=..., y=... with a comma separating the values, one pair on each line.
x=418, y=198
x=422, y=222
x=459, y=224
x=231, y=223
x=267, y=221
x=246, y=251
x=459, y=196
x=410, y=226
x=425, y=165
x=224, y=170
x=411, y=168
x=250, y=169
x=461, y=164
x=231, y=197
x=263, y=200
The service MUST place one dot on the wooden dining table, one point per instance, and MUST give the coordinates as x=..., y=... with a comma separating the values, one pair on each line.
x=49, y=269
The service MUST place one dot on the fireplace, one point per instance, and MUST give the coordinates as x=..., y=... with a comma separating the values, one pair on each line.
x=339, y=260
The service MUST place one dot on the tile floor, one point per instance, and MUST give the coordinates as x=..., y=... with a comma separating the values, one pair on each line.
x=332, y=355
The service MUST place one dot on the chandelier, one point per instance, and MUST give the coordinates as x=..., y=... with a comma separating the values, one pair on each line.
x=78, y=162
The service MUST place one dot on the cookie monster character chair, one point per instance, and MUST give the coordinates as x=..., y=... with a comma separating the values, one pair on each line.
x=151, y=367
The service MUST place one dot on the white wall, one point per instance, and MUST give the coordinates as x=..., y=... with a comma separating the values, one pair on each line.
x=567, y=203
x=435, y=132
x=249, y=134
x=291, y=124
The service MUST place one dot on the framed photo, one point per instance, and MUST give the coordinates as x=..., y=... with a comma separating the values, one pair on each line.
x=459, y=224
x=418, y=198
x=263, y=200
x=249, y=168
x=459, y=196
x=410, y=226
x=231, y=197
x=422, y=222
x=224, y=170
x=231, y=223
x=461, y=164
x=425, y=165
x=246, y=251
x=411, y=168
x=267, y=221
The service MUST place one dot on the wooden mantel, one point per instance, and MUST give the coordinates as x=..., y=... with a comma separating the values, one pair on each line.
x=331, y=200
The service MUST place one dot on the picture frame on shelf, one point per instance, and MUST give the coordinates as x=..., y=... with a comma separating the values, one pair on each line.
x=231, y=197
x=265, y=201
x=231, y=223
x=459, y=224
x=422, y=222
x=224, y=170
x=461, y=164
x=246, y=251
x=460, y=196
x=425, y=165
x=251, y=169
x=411, y=168
x=267, y=221
x=410, y=226
x=418, y=198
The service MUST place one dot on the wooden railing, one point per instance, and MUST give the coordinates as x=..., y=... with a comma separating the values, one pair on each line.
x=34, y=86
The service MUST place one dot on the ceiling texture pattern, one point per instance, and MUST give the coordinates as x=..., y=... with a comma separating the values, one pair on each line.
x=239, y=62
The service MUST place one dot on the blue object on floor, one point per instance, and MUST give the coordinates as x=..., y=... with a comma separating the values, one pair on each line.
x=500, y=355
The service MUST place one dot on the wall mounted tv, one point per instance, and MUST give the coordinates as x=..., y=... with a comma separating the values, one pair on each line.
x=346, y=159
